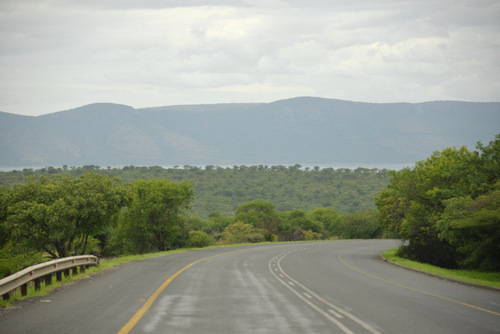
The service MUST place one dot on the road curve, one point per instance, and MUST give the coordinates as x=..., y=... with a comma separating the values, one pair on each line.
x=306, y=287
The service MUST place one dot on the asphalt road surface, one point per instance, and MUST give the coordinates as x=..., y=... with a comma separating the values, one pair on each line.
x=306, y=287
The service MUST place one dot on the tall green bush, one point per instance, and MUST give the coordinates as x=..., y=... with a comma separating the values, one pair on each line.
x=446, y=208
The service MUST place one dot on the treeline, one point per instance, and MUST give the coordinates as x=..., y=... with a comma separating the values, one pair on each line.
x=57, y=216
x=447, y=208
x=224, y=189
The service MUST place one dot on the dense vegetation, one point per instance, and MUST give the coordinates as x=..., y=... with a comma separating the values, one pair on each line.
x=223, y=190
x=447, y=208
x=61, y=212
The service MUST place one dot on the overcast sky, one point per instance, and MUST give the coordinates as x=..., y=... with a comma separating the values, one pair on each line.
x=58, y=55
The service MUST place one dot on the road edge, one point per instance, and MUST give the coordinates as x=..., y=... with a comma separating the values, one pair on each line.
x=475, y=285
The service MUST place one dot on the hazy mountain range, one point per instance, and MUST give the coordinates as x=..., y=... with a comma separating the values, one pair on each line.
x=302, y=130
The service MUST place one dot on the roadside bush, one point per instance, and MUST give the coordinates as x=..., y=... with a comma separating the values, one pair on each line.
x=361, y=225
x=199, y=239
x=16, y=257
x=240, y=232
x=255, y=237
x=310, y=235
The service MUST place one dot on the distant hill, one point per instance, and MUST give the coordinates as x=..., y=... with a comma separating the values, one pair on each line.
x=303, y=130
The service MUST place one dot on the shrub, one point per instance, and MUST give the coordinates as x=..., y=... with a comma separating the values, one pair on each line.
x=199, y=239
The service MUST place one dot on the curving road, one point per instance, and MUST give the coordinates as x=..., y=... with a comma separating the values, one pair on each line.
x=307, y=287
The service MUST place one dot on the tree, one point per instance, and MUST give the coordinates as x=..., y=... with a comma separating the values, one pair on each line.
x=473, y=227
x=240, y=232
x=361, y=225
x=14, y=255
x=329, y=218
x=414, y=199
x=438, y=207
x=297, y=225
x=155, y=220
x=59, y=214
x=216, y=223
x=199, y=239
x=4, y=202
x=261, y=215
x=299, y=218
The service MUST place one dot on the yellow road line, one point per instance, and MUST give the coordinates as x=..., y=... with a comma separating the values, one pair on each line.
x=144, y=308
x=138, y=315
x=415, y=289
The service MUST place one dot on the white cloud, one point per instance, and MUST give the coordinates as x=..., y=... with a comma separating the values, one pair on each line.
x=57, y=55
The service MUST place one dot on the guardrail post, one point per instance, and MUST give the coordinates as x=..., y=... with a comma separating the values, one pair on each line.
x=24, y=289
x=82, y=269
x=75, y=270
x=66, y=273
x=37, y=284
x=6, y=296
x=59, y=276
x=48, y=279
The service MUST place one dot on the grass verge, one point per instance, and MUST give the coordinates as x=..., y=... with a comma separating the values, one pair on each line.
x=491, y=279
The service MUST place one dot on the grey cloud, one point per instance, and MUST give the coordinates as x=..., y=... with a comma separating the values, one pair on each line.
x=61, y=54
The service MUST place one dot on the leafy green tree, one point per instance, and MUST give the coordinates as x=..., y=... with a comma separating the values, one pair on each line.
x=261, y=215
x=59, y=215
x=289, y=232
x=329, y=219
x=199, y=239
x=415, y=198
x=297, y=225
x=299, y=218
x=439, y=207
x=195, y=223
x=311, y=235
x=361, y=225
x=240, y=232
x=487, y=165
x=471, y=223
x=16, y=256
x=155, y=221
x=216, y=223
x=4, y=202
x=473, y=227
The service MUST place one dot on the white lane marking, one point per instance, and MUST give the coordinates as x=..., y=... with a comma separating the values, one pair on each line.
x=307, y=295
x=336, y=308
x=291, y=283
x=335, y=314
x=326, y=315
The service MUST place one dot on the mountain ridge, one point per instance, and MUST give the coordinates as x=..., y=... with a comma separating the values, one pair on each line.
x=297, y=130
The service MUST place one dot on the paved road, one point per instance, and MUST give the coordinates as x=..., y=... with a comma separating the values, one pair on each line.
x=317, y=287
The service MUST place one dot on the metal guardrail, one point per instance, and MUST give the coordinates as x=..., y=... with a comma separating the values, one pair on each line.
x=45, y=270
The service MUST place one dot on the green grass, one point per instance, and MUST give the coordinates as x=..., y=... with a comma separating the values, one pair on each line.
x=471, y=276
